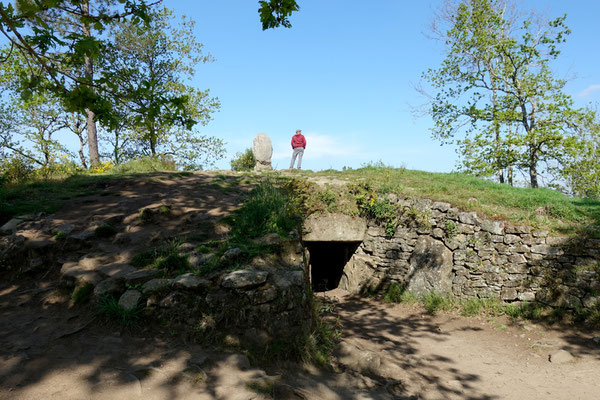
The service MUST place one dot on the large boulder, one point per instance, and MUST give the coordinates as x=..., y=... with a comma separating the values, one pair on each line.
x=262, y=150
x=334, y=228
x=430, y=267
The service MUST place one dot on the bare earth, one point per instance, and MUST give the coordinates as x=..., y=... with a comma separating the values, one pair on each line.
x=50, y=349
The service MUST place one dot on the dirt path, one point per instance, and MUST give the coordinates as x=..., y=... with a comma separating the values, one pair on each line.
x=448, y=356
x=51, y=350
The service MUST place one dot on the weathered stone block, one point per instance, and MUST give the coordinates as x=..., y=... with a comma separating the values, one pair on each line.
x=129, y=300
x=430, y=267
x=262, y=149
x=334, y=228
x=494, y=227
x=245, y=278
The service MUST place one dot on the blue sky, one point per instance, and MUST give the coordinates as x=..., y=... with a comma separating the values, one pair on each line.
x=345, y=74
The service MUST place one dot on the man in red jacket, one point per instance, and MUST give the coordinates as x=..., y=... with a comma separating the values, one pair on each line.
x=298, y=146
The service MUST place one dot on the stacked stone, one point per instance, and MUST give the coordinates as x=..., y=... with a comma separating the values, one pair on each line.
x=457, y=252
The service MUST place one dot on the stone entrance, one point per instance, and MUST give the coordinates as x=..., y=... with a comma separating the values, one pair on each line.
x=327, y=262
x=331, y=240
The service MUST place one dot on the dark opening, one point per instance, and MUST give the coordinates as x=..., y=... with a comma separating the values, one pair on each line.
x=327, y=262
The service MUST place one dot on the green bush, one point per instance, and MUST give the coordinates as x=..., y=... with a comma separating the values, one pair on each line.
x=15, y=170
x=243, y=161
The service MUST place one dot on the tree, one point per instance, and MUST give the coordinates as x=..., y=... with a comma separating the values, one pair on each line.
x=62, y=40
x=495, y=86
x=159, y=108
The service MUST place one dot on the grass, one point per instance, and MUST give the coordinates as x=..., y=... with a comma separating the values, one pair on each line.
x=397, y=294
x=109, y=307
x=541, y=208
x=435, y=302
x=46, y=196
x=268, y=208
x=82, y=293
x=165, y=257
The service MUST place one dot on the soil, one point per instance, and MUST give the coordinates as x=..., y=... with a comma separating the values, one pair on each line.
x=52, y=349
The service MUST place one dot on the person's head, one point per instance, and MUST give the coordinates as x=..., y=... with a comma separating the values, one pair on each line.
x=298, y=131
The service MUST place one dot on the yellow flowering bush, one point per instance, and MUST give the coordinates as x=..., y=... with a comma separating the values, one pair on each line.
x=101, y=167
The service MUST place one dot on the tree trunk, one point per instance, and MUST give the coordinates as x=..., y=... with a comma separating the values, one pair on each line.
x=509, y=173
x=91, y=116
x=81, y=155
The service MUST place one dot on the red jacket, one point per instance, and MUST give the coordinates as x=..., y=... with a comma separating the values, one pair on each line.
x=298, y=140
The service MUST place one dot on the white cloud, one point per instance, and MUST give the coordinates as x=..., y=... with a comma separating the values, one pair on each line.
x=589, y=90
x=318, y=147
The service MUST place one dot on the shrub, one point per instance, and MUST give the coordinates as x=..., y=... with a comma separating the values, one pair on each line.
x=243, y=161
x=15, y=170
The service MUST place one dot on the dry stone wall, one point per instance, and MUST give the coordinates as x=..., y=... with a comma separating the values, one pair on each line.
x=439, y=248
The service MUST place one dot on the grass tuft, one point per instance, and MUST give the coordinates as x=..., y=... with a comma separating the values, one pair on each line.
x=109, y=307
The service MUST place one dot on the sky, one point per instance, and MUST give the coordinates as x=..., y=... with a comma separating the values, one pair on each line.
x=345, y=74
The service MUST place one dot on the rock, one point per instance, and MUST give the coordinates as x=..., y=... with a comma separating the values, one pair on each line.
x=122, y=238
x=76, y=273
x=270, y=239
x=115, y=270
x=256, y=337
x=358, y=274
x=527, y=296
x=10, y=227
x=508, y=294
x=468, y=218
x=292, y=252
x=263, y=295
x=197, y=260
x=110, y=286
x=440, y=206
x=430, y=267
x=171, y=300
x=190, y=281
x=334, y=228
x=65, y=228
x=494, y=227
x=356, y=359
x=590, y=301
x=84, y=236
x=560, y=357
x=186, y=247
x=140, y=276
x=262, y=149
x=156, y=285
x=129, y=300
x=231, y=254
x=285, y=279
x=33, y=265
x=245, y=278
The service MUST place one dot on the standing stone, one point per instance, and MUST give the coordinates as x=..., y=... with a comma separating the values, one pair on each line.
x=430, y=267
x=262, y=150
